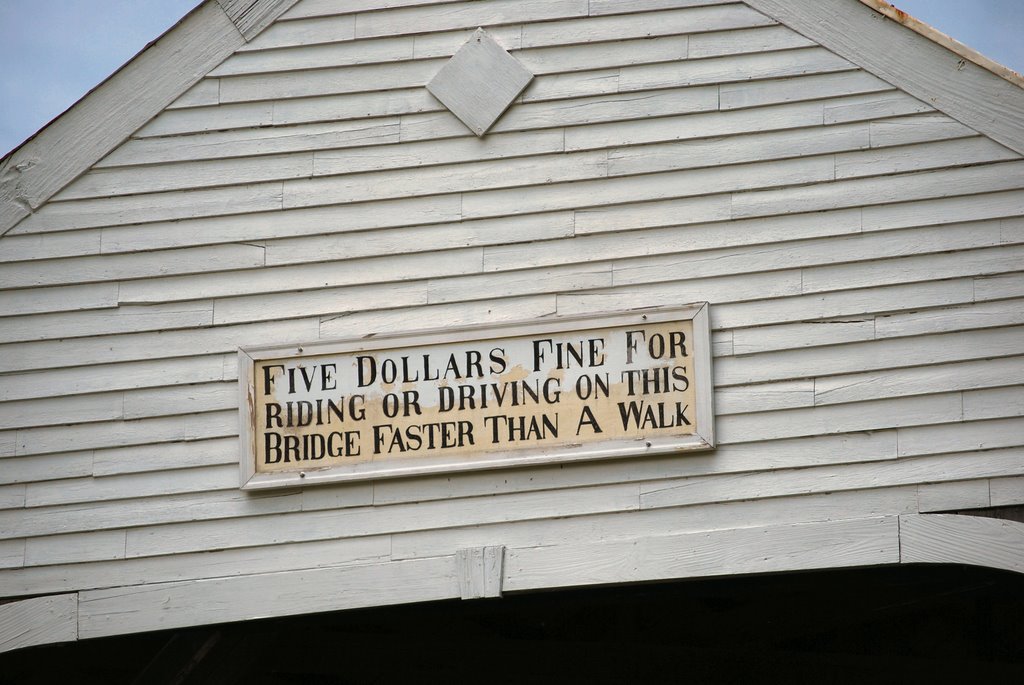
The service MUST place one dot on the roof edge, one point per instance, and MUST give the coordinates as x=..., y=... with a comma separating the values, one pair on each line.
x=111, y=112
x=946, y=41
x=912, y=57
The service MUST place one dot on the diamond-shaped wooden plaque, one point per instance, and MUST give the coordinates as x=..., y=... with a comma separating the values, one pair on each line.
x=479, y=82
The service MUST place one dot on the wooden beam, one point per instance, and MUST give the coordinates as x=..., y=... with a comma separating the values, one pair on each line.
x=38, y=621
x=930, y=71
x=953, y=539
x=799, y=547
x=252, y=16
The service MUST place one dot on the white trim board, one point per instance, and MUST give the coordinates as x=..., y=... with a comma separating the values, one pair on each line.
x=876, y=541
x=107, y=115
x=911, y=61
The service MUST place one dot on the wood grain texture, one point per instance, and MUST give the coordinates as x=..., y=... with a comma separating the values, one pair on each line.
x=38, y=621
x=965, y=91
x=867, y=542
x=480, y=571
x=173, y=605
x=952, y=539
x=252, y=16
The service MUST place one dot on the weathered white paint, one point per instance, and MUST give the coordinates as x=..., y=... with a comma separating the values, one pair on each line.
x=854, y=219
x=38, y=621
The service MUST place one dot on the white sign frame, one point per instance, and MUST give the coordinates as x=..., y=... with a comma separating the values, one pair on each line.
x=701, y=439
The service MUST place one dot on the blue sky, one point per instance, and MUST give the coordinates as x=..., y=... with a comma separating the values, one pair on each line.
x=55, y=51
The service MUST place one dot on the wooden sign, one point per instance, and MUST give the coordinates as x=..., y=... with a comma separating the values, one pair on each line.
x=456, y=400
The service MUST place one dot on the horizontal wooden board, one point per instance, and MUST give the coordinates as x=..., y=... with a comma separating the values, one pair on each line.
x=46, y=440
x=91, y=213
x=868, y=542
x=864, y=356
x=257, y=141
x=116, y=267
x=1006, y=491
x=869, y=326
x=919, y=380
x=720, y=516
x=47, y=524
x=328, y=108
x=14, y=248
x=38, y=621
x=223, y=563
x=61, y=410
x=89, y=379
x=47, y=467
x=882, y=190
x=843, y=418
x=821, y=450
x=66, y=325
x=73, y=491
x=306, y=526
x=814, y=86
x=966, y=494
x=951, y=153
x=164, y=457
x=303, y=277
x=157, y=345
x=971, y=540
x=855, y=476
x=397, y=320
x=976, y=435
x=537, y=227
x=335, y=81
x=311, y=221
x=46, y=300
x=688, y=182
x=162, y=606
x=730, y=69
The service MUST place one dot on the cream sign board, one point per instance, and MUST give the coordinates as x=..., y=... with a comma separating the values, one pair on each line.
x=440, y=401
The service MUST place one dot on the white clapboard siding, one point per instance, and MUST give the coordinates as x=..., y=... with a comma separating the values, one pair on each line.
x=815, y=86
x=49, y=523
x=1006, y=491
x=99, y=321
x=223, y=563
x=48, y=467
x=156, y=345
x=780, y=482
x=874, y=354
x=976, y=435
x=967, y=494
x=46, y=440
x=384, y=105
x=258, y=141
x=360, y=521
x=23, y=247
x=114, y=267
x=302, y=277
x=868, y=327
x=919, y=380
x=719, y=516
x=57, y=381
x=181, y=455
x=852, y=303
x=860, y=250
